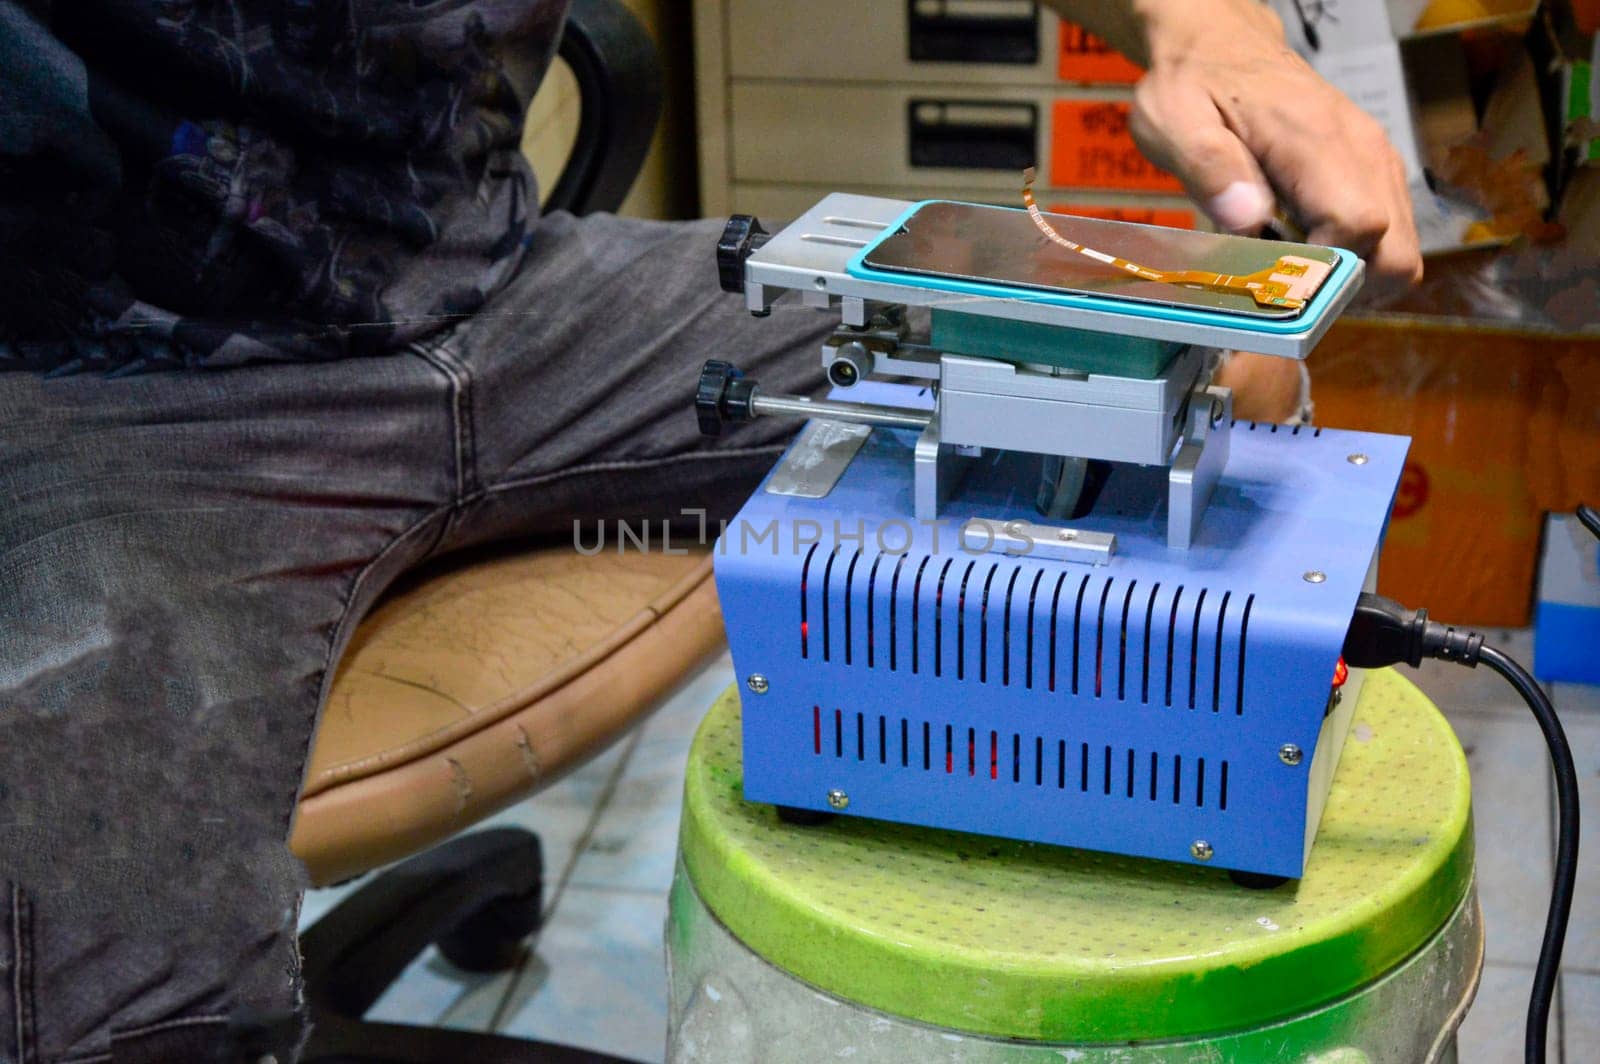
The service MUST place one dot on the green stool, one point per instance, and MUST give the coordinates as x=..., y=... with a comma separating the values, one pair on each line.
x=868, y=941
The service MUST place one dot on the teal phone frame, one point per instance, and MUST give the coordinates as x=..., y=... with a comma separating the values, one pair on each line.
x=1305, y=321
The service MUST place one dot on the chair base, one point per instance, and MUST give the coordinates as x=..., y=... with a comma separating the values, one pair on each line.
x=478, y=897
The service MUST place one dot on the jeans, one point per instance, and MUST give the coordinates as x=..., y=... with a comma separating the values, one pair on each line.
x=184, y=555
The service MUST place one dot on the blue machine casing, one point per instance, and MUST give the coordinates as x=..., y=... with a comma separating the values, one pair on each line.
x=1134, y=707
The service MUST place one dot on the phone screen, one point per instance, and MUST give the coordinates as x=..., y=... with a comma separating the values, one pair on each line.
x=1002, y=246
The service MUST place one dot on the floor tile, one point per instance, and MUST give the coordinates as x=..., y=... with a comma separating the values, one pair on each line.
x=1583, y=934
x=1581, y=701
x=598, y=980
x=563, y=813
x=1580, y=1015
x=635, y=842
x=434, y=992
x=1492, y=1031
x=1511, y=816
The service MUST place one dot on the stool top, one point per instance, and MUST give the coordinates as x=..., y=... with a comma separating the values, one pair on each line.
x=1045, y=943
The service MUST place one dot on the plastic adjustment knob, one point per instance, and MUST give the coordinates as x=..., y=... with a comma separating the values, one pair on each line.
x=742, y=237
x=723, y=397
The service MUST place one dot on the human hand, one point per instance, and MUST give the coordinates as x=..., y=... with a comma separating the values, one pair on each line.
x=1243, y=121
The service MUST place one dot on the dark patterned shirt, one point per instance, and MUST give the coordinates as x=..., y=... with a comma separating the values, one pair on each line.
x=214, y=182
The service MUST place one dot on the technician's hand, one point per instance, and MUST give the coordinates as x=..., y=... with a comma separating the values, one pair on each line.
x=1242, y=120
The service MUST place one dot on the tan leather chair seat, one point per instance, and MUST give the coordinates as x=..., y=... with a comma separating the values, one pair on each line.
x=484, y=681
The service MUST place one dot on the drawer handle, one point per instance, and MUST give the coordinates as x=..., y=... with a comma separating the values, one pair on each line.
x=972, y=134
x=972, y=31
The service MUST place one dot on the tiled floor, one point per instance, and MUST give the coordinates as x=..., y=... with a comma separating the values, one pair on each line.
x=595, y=975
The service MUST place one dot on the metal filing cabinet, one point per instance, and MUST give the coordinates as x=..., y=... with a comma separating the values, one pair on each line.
x=915, y=99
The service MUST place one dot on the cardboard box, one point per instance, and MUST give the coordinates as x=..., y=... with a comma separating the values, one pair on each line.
x=1567, y=621
x=1505, y=427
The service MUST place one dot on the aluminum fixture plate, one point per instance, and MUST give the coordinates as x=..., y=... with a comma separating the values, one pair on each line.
x=812, y=256
x=1054, y=677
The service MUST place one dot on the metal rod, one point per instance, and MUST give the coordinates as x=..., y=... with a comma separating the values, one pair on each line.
x=855, y=413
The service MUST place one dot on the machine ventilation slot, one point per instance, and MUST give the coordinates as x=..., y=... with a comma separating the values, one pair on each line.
x=894, y=600
x=1149, y=617
x=1172, y=634
x=1104, y=771
x=1194, y=644
x=1295, y=431
x=1100, y=642
x=1216, y=664
x=938, y=619
x=1033, y=596
x=1017, y=623
x=916, y=613
x=849, y=586
x=827, y=582
x=1238, y=705
x=1005, y=635
x=961, y=623
x=872, y=600
x=805, y=628
x=1122, y=643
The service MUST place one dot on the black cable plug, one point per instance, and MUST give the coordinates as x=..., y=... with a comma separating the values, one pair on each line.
x=1383, y=632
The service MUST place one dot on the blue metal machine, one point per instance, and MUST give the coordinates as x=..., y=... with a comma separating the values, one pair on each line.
x=1013, y=597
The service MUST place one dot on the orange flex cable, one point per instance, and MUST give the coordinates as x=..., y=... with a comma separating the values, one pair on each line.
x=1289, y=282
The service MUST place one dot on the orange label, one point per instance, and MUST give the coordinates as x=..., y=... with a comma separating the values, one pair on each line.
x=1092, y=148
x=1171, y=217
x=1085, y=57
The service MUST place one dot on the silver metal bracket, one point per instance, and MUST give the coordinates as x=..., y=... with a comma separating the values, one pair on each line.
x=1027, y=538
x=819, y=457
x=1198, y=465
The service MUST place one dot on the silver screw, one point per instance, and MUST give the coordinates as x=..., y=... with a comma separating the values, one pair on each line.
x=1357, y=459
x=1201, y=850
x=1290, y=754
x=838, y=800
x=1067, y=534
x=1315, y=576
x=757, y=683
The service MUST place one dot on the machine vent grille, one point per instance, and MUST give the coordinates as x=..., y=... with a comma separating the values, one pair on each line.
x=1033, y=760
x=1011, y=622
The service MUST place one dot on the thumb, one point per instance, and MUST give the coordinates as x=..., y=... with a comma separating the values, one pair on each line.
x=1179, y=128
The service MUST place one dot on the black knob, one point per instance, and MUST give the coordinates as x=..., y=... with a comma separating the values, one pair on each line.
x=723, y=397
x=741, y=238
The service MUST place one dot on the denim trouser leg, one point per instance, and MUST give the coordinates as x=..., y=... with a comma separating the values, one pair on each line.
x=183, y=555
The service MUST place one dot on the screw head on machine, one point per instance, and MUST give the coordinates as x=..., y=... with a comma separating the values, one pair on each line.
x=1315, y=576
x=1357, y=459
x=1290, y=754
x=838, y=800
x=1201, y=850
x=757, y=683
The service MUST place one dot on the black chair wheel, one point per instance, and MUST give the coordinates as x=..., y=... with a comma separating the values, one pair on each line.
x=804, y=818
x=490, y=939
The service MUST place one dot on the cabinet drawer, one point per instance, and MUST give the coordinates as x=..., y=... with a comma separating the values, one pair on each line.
x=924, y=136
x=1003, y=42
x=999, y=41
